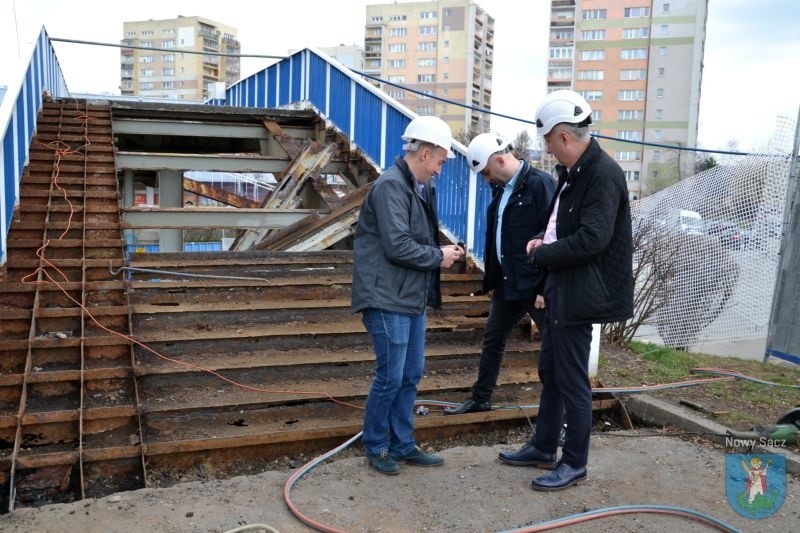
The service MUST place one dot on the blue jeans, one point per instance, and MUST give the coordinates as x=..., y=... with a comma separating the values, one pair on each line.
x=399, y=342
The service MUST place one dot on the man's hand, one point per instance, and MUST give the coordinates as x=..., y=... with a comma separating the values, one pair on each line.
x=532, y=245
x=539, y=303
x=450, y=254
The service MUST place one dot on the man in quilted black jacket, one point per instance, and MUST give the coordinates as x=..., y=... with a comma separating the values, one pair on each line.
x=586, y=256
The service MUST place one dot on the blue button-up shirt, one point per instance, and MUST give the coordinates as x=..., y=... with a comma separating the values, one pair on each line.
x=508, y=188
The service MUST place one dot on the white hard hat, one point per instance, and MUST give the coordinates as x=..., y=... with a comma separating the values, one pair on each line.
x=481, y=149
x=428, y=129
x=562, y=106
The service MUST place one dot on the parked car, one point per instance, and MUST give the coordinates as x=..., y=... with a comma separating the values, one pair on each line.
x=729, y=234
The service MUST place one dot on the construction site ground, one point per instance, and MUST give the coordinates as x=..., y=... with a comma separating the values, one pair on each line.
x=671, y=463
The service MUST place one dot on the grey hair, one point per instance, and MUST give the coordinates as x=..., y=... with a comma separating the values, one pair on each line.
x=415, y=144
x=578, y=132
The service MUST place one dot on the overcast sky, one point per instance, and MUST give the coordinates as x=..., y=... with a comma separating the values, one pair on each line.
x=751, y=53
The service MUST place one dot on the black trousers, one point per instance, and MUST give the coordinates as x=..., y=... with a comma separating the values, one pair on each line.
x=566, y=390
x=503, y=317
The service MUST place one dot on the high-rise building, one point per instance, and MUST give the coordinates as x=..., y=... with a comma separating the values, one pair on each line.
x=639, y=64
x=439, y=48
x=185, y=59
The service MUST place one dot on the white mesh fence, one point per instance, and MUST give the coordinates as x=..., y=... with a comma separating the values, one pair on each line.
x=715, y=241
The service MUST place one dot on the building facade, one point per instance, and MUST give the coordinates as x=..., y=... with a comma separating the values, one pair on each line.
x=639, y=64
x=183, y=63
x=436, y=48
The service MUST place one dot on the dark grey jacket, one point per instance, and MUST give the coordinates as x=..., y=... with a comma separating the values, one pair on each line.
x=592, y=255
x=396, y=254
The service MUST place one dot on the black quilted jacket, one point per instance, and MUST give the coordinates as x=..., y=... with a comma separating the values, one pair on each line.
x=593, y=251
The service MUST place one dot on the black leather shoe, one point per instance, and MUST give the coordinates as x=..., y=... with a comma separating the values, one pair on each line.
x=564, y=476
x=470, y=406
x=528, y=455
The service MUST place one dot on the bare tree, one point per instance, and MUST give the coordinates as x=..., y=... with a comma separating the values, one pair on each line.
x=522, y=145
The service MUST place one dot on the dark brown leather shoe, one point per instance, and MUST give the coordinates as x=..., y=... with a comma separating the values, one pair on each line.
x=470, y=406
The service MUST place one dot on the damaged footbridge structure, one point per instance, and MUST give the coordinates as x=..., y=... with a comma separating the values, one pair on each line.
x=121, y=369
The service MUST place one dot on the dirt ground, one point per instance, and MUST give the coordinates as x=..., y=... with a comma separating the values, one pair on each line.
x=473, y=491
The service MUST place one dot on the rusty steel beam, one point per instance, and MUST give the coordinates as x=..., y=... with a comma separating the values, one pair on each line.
x=215, y=193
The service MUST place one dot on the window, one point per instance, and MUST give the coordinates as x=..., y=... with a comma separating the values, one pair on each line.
x=633, y=53
x=661, y=72
x=446, y=76
x=662, y=50
x=147, y=32
x=426, y=62
x=425, y=94
x=628, y=155
x=665, y=8
x=563, y=14
x=427, y=30
x=592, y=55
x=597, y=115
x=446, y=44
x=130, y=34
x=636, y=12
x=664, y=30
x=658, y=134
x=377, y=18
x=168, y=31
x=660, y=93
x=398, y=32
x=591, y=75
x=446, y=12
x=168, y=44
x=654, y=174
x=633, y=74
x=170, y=71
x=591, y=95
x=374, y=63
x=397, y=79
x=446, y=60
x=426, y=78
x=559, y=73
x=149, y=86
x=168, y=85
x=561, y=52
x=629, y=95
x=425, y=47
x=397, y=47
x=397, y=17
x=593, y=35
x=146, y=44
x=427, y=15
x=630, y=114
x=629, y=135
x=631, y=175
x=397, y=63
x=656, y=155
x=593, y=14
x=659, y=113
x=126, y=72
x=146, y=59
x=397, y=94
x=563, y=35
x=425, y=110
x=635, y=33
x=168, y=58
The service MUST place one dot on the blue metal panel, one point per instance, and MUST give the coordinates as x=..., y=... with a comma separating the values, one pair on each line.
x=340, y=100
x=367, y=134
x=202, y=246
x=32, y=108
x=22, y=142
x=261, y=97
x=272, y=86
x=297, y=77
x=251, y=92
x=396, y=123
x=483, y=197
x=452, y=188
x=285, y=96
x=318, y=82
x=9, y=171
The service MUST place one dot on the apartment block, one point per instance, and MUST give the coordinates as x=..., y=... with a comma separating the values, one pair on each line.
x=184, y=61
x=639, y=64
x=436, y=48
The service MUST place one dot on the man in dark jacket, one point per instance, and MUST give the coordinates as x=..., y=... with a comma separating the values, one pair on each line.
x=517, y=213
x=586, y=251
x=396, y=264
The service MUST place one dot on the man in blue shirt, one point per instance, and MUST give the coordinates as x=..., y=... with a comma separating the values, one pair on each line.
x=518, y=211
